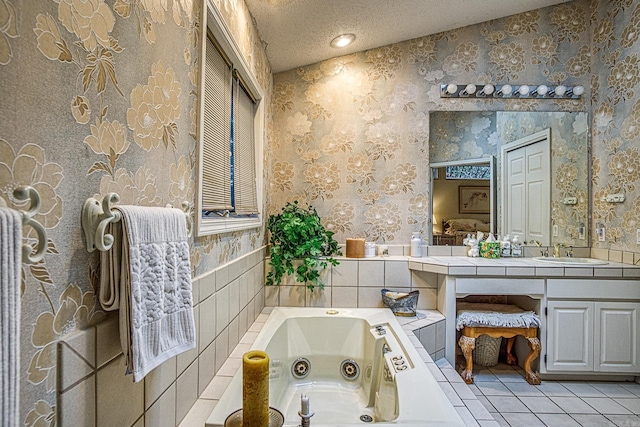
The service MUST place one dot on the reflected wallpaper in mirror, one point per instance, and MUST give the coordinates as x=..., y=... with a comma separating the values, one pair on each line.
x=464, y=135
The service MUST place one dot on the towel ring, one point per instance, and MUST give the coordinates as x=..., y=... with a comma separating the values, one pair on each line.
x=24, y=193
x=97, y=215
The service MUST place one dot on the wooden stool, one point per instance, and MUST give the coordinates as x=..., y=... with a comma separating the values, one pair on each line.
x=468, y=342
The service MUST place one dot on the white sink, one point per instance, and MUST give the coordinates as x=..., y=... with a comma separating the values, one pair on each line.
x=571, y=261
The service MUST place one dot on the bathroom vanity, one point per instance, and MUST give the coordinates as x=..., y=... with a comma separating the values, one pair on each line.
x=588, y=308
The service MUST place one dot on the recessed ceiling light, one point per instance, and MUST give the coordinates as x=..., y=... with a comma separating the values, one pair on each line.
x=343, y=40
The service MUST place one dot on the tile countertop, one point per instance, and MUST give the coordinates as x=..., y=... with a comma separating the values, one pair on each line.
x=519, y=267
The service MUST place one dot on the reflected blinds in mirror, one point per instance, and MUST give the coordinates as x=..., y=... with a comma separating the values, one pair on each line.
x=216, y=182
x=244, y=153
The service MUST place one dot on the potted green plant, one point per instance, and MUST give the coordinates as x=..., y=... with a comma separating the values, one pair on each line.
x=298, y=234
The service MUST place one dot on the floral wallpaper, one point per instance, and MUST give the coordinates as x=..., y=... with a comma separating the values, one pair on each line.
x=616, y=120
x=463, y=135
x=351, y=134
x=100, y=96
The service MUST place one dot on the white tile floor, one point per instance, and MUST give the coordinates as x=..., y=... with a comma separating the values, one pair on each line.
x=499, y=397
x=512, y=401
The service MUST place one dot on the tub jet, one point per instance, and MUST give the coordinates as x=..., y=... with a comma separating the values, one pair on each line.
x=301, y=368
x=349, y=369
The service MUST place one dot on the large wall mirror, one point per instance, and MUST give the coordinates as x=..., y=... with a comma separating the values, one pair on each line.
x=537, y=188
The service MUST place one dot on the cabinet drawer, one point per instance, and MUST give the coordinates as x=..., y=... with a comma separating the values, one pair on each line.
x=593, y=289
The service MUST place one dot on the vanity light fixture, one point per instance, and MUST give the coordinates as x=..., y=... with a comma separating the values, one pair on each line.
x=523, y=91
x=343, y=40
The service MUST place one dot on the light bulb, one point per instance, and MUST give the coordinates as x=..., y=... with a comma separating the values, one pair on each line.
x=523, y=90
x=505, y=90
x=343, y=40
x=542, y=90
x=486, y=90
x=451, y=89
x=469, y=89
x=578, y=90
x=560, y=90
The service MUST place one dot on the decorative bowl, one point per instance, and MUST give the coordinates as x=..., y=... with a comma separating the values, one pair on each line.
x=401, y=303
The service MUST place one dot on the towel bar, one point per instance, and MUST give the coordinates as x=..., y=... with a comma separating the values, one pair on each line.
x=24, y=193
x=96, y=216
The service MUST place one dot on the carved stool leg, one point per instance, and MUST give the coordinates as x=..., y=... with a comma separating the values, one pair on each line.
x=511, y=358
x=467, y=344
x=532, y=377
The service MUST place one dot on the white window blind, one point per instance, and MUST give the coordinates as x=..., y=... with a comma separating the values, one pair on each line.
x=244, y=153
x=228, y=108
x=216, y=182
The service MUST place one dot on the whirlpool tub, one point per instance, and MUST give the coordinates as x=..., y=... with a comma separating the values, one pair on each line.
x=356, y=366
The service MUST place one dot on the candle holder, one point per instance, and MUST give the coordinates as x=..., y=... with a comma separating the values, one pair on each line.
x=276, y=419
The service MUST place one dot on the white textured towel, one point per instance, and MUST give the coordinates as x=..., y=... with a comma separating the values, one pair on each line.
x=10, y=274
x=147, y=275
x=496, y=315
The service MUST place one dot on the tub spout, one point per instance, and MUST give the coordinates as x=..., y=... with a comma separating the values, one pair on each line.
x=305, y=413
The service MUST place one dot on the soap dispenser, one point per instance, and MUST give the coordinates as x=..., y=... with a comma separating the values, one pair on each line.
x=416, y=244
x=505, y=247
x=516, y=247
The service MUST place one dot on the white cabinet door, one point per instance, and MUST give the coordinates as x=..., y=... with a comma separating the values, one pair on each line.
x=616, y=344
x=569, y=336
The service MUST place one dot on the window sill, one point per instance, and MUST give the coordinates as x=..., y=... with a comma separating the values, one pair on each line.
x=210, y=226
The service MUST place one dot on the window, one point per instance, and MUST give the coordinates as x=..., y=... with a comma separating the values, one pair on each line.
x=468, y=172
x=230, y=136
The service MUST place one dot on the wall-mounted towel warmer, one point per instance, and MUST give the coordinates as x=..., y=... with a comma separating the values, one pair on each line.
x=24, y=193
x=97, y=215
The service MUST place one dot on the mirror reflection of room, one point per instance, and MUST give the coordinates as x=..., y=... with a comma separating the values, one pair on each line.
x=457, y=137
x=461, y=203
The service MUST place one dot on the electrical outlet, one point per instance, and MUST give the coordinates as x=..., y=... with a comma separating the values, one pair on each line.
x=601, y=234
x=614, y=198
x=581, y=233
x=555, y=230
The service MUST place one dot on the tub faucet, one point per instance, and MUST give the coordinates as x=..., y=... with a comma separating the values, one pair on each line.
x=305, y=413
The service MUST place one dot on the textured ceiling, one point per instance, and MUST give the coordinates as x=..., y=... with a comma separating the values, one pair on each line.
x=298, y=32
